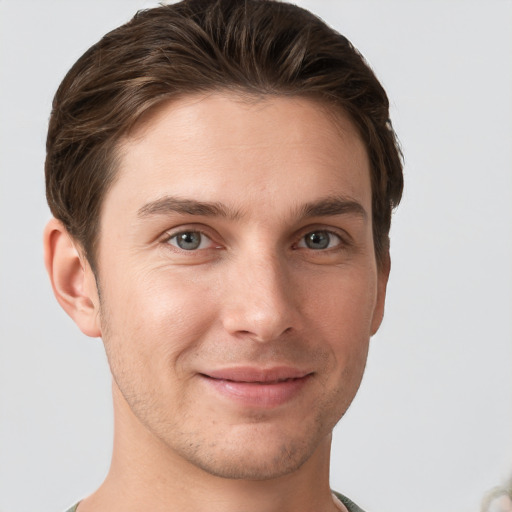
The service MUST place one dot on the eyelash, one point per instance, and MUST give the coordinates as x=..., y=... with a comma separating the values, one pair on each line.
x=341, y=243
x=331, y=235
x=171, y=236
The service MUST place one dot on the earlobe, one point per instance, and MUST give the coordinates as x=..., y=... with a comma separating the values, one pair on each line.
x=72, y=279
x=382, y=282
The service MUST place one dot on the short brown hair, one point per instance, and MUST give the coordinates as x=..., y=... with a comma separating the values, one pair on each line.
x=249, y=46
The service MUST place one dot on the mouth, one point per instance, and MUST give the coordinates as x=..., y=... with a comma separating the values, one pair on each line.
x=255, y=387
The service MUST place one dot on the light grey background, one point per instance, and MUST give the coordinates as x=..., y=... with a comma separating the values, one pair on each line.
x=431, y=428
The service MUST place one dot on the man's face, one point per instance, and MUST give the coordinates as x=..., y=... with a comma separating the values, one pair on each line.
x=238, y=281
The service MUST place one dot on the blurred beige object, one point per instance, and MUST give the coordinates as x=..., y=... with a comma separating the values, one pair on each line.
x=499, y=499
x=501, y=504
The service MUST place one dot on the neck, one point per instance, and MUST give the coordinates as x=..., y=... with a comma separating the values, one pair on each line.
x=146, y=474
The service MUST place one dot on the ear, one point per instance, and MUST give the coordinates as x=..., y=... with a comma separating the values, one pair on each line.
x=383, y=270
x=72, y=279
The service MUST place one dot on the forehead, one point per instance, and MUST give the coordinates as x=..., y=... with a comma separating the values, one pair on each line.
x=233, y=149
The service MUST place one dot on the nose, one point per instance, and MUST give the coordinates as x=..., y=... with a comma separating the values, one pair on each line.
x=260, y=300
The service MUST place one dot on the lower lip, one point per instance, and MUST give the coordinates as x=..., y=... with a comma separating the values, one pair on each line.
x=258, y=394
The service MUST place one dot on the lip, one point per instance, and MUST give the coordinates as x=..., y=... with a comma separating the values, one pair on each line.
x=257, y=387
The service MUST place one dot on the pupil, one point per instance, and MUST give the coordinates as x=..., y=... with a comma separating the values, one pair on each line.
x=317, y=240
x=189, y=240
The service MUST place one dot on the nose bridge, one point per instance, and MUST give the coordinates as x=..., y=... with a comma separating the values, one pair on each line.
x=261, y=297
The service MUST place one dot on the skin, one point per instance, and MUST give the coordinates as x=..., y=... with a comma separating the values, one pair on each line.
x=253, y=294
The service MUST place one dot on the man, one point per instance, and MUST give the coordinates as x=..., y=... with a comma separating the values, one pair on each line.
x=222, y=176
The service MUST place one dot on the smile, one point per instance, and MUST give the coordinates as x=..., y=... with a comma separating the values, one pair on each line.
x=257, y=388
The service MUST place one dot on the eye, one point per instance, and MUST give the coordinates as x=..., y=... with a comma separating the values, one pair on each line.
x=190, y=240
x=319, y=240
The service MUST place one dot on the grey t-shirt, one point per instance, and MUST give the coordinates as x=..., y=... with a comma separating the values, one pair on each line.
x=352, y=507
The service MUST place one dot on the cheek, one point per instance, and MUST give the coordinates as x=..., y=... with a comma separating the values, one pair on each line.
x=343, y=315
x=155, y=316
x=345, y=302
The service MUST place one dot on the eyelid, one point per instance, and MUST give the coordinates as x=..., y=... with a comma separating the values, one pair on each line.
x=302, y=242
x=203, y=240
x=191, y=228
x=344, y=237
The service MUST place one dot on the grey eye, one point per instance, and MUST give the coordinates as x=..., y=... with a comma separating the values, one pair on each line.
x=318, y=240
x=188, y=240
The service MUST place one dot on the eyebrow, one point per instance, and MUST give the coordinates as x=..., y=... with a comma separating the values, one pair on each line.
x=332, y=206
x=169, y=204
x=325, y=207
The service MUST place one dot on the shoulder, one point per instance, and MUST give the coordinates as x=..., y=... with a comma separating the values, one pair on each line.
x=351, y=506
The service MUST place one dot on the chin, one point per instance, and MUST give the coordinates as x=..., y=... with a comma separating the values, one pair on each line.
x=256, y=454
x=248, y=467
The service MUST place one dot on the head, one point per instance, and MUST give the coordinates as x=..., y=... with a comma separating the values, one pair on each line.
x=224, y=173
x=254, y=48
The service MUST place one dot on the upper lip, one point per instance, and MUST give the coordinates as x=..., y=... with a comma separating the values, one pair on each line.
x=254, y=374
